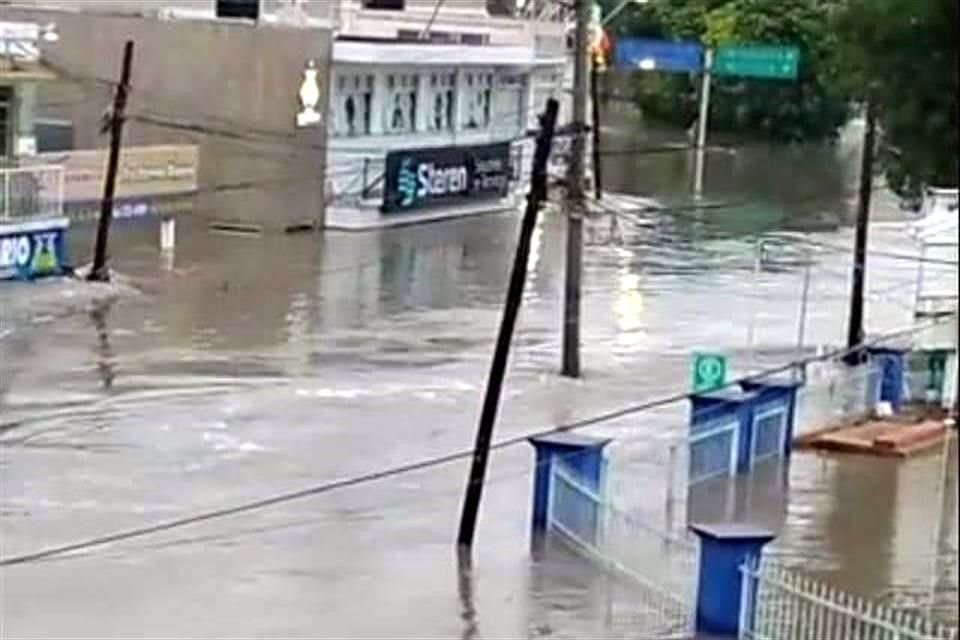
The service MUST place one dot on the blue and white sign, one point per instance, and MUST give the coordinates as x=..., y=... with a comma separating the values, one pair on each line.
x=418, y=178
x=647, y=54
x=32, y=249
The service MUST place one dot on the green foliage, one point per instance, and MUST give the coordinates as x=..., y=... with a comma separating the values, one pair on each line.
x=902, y=55
x=809, y=109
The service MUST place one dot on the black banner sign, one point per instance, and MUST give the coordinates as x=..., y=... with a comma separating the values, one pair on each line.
x=418, y=178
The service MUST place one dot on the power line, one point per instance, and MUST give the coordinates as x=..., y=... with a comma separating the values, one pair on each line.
x=664, y=148
x=259, y=136
x=223, y=126
x=805, y=240
x=438, y=460
x=247, y=136
x=425, y=34
x=883, y=254
x=687, y=211
x=241, y=131
x=84, y=78
x=262, y=136
x=815, y=196
x=423, y=497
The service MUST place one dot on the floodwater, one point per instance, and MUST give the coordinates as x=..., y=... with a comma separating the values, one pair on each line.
x=256, y=366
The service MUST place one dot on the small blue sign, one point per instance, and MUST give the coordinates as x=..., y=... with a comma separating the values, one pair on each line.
x=658, y=55
x=32, y=250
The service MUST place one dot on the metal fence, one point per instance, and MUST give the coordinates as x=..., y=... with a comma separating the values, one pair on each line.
x=31, y=192
x=652, y=480
x=837, y=394
x=782, y=604
x=661, y=569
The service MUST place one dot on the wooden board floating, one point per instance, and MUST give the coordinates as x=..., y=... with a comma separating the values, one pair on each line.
x=877, y=438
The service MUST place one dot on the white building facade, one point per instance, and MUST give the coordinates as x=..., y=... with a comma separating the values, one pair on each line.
x=415, y=76
x=408, y=75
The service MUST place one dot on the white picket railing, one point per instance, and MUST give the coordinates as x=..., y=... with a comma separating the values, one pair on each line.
x=778, y=603
x=31, y=192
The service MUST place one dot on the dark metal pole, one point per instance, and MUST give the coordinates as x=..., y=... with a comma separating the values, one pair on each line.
x=595, y=97
x=855, y=333
x=364, y=192
x=99, y=271
x=518, y=277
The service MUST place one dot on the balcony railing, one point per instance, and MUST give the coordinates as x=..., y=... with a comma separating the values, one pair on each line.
x=31, y=193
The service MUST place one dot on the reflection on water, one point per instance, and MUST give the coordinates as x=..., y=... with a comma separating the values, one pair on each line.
x=882, y=528
x=104, y=353
x=468, y=611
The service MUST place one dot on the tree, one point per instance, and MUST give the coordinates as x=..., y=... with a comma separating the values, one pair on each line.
x=812, y=108
x=902, y=55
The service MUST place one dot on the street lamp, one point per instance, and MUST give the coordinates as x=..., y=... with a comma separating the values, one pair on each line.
x=49, y=33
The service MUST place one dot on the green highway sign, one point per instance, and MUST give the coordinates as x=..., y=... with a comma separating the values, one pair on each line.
x=709, y=371
x=757, y=62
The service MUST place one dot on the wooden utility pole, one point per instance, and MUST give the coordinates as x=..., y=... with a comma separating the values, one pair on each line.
x=518, y=277
x=575, y=200
x=855, y=332
x=595, y=97
x=99, y=271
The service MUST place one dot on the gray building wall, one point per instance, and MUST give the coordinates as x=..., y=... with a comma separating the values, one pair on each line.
x=227, y=86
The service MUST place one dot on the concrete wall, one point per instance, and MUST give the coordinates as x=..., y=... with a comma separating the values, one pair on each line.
x=229, y=87
x=270, y=10
x=460, y=17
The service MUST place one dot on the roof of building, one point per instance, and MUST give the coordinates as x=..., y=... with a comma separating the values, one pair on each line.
x=15, y=70
x=394, y=52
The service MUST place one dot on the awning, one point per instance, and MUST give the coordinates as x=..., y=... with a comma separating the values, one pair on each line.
x=425, y=54
x=24, y=71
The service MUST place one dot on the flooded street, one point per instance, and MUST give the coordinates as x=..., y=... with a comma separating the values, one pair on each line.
x=255, y=366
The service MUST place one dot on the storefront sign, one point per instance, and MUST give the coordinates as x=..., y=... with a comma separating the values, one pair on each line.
x=417, y=178
x=32, y=250
x=144, y=171
x=134, y=209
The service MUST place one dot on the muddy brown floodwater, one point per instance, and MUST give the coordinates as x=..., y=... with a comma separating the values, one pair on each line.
x=256, y=366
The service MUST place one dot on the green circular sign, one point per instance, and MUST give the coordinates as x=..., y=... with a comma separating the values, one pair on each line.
x=709, y=371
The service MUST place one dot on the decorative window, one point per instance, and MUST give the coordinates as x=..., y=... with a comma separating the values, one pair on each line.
x=442, y=96
x=400, y=105
x=387, y=5
x=478, y=93
x=354, y=104
x=509, y=107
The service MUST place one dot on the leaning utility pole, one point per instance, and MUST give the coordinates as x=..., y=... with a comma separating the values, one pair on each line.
x=595, y=70
x=855, y=333
x=518, y=277
x=575, y=196
x=99, y=271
